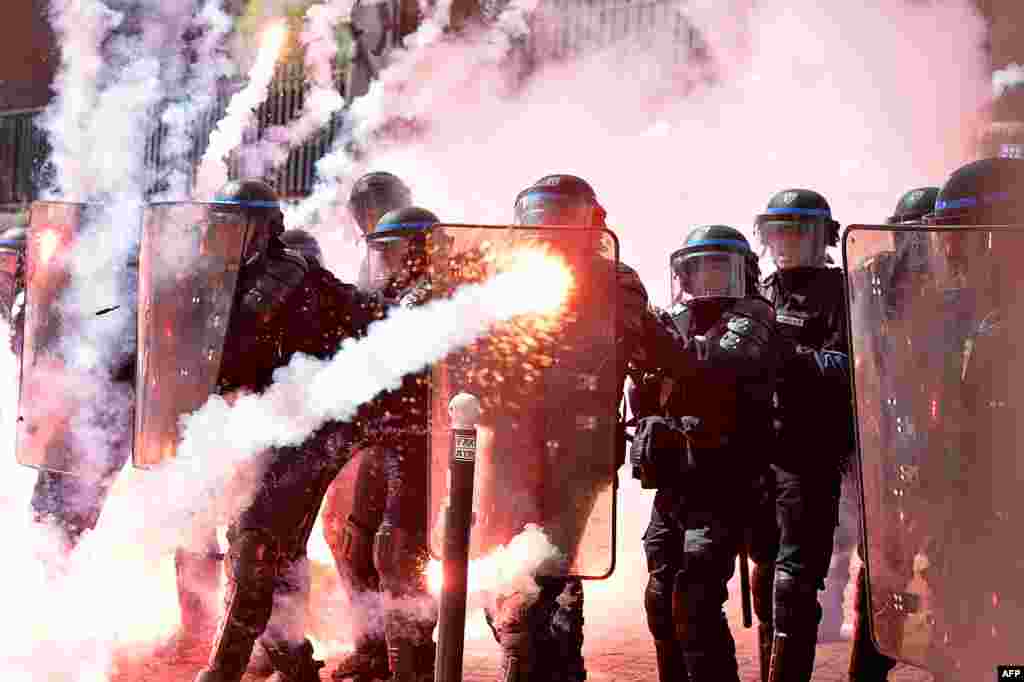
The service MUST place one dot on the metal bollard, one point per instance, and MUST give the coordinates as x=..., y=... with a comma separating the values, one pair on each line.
x=465, y=412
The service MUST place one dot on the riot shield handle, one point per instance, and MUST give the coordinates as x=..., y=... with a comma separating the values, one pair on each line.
x=464, y=410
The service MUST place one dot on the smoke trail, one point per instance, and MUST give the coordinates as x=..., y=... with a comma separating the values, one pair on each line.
x=213, y=173
x=307, y=392
x=196, y=97
x=366, y=116
x=80, y=27
x=322, y=99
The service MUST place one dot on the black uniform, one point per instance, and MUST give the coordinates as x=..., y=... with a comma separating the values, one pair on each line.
x=814, y=428
x=810, y=452
x=389, y=510
x=281, y=307
x=267, y=565
x=713, y=393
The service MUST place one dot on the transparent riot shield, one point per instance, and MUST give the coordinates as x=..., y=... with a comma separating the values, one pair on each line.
x=70, y=417
x=935, y=313
x=549, y=387
x=188, y=268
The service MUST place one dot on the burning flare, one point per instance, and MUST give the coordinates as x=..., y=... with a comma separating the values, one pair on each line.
x=541, y=279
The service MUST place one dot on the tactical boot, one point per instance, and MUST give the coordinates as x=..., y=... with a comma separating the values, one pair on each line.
x=513, y=669
x=671, y=666
x=792, y=658
x=367, y=663
x=765, y=636
x=411, y=663
x=710, y=667
x=294, y=663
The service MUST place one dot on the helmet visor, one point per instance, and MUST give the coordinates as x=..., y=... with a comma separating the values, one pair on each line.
x=708, y=274
x=370, y=206
x=793, y=243
x=390, y=260
x=551, y=208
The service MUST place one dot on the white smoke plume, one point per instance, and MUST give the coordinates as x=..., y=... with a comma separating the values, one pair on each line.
x=99, y=158
x=508, y=569
x=153, y=512
x=213, y=172
x=80, y=26
x=196, y=97
x=657, y=139
x=1006, y=78
x=367, y=115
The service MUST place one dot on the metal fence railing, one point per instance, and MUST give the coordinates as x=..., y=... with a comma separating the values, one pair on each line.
x=570, y=27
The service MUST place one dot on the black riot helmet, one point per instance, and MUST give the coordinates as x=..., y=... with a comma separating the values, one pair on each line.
x=986, y=192
x=398, y=250
x=263, y=210
x=306, y=244
x=716, y=261
x=913, y=206
x=559, y=200
x=375, y=194
x=911, y=245
x=796, y=227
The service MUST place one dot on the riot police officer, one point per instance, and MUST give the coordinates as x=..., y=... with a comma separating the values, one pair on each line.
x=388, y=508
x=814, y=426
x=351, y=541
x=542, y=636
x=974, y=556
x=893, y=272
x=701, y=432
x=281, y=307
x=372, y=196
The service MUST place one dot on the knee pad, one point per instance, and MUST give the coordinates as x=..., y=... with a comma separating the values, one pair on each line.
x=658, y=604
x=797, y=611
x=253, y=558
x=695, y=609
